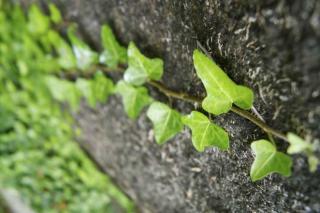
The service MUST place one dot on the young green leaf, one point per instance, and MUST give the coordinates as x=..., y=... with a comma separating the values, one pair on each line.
x=134, y=98
x=38, y=23
x=113, y=53
x=66, y=58
x=166, y=121
x=55, y=14
x=64, y=91
x=95, y=90
x=84, y=86
x=268, y=160
x=7, y=119
x=297, y=144
x=84, y=55
x=222, y=92
x=142, y=68
x=313, y=162
x=102, y=87
x=205, y=133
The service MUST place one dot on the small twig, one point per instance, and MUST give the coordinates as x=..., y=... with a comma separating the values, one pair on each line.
x=255, y=111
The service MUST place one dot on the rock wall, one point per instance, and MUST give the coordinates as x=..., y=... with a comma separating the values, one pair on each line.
x=270, y=46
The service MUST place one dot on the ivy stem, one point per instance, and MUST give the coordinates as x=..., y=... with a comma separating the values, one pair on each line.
x=73, y=75
x=259, y=123
x=237, y=110
x=170, y=93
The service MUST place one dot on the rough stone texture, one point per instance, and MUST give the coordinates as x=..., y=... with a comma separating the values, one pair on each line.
x=271, y=46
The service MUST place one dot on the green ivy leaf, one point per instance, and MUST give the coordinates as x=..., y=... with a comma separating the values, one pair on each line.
x=95, y=90
x=166, y=121
x=221, y=90
x=102, y=87
x=297, y=144
x=7, y=119
x=313, y=162
x=84, y=87
x=134, y=98
x=64, y=91
x=38, y=23
x=142, y=68
x=55, y=14
x=18, y=21
x=268, y=160
x=84, y=55
x=66, y=58
x=205, y=133
x=113, y=53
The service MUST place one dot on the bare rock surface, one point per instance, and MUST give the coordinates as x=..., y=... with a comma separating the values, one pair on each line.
x=270, y=46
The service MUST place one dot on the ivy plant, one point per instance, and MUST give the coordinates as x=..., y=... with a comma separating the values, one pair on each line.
x=38, y=23
x=222, y=93
x=299, y=145
x=58, y=88
x=205, y=133
x=101, y=88
x=55, y=14
x=268, y=160
x=134, y=98
x=167, y=122
x=66, y=59
x=140, y=68
x=113, y=53
x=85, y=56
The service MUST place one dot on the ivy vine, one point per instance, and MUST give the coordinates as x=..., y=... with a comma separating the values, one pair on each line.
x=222, y=95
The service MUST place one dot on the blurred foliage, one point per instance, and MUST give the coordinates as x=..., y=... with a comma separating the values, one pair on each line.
x=38, y=155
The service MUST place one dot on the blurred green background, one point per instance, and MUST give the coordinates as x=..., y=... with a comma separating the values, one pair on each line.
x=38, y=155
